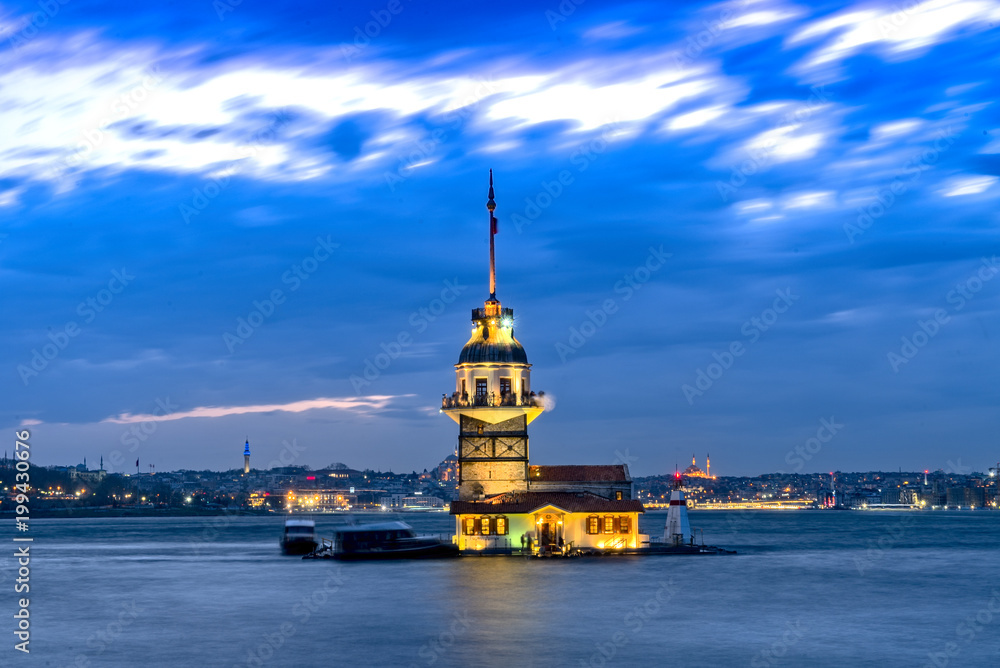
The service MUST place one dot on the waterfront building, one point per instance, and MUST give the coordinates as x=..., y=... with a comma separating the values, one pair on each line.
x=504, y=502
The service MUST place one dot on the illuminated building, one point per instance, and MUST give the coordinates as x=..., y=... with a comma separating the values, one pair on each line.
x=246, y=457
x=502, y=498
x=694, y=472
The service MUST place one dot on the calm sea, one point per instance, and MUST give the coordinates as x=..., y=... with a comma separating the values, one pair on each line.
x=806, y=589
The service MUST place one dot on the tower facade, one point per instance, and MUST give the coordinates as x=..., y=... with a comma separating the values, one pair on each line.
x=493, y=402
x=246, y=457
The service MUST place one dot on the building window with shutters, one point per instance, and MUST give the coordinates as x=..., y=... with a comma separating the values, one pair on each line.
x=624, y=524
x=470, y=526
x=593, y=525
x=501, y=526
x=609, y=524
x=484, y=525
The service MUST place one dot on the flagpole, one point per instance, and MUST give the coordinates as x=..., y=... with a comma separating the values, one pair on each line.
x=491, y=206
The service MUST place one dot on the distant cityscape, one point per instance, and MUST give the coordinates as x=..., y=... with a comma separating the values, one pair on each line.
x=339, y=488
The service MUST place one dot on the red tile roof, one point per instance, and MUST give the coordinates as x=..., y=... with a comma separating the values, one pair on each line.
x=587, y=473
x=527, y=502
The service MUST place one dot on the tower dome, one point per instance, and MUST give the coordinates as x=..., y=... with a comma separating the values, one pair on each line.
x=492, y=340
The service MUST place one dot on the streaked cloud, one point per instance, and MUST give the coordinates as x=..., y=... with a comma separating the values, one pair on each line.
x=366, y=404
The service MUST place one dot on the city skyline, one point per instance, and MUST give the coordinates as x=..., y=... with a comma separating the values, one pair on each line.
x=751, y=229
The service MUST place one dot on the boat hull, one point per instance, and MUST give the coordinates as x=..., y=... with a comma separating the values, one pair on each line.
x=440, y=551
x=297, y=547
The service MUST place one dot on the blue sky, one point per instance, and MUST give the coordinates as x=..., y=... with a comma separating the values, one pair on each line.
x=788, y=211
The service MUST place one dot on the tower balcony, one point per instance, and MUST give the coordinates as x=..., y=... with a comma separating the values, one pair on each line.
x=493, y=408
x=492, y=400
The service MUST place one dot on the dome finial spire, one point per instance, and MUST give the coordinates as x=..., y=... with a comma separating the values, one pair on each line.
x=491, y=206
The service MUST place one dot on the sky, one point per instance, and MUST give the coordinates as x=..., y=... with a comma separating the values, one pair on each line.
x=759, y=230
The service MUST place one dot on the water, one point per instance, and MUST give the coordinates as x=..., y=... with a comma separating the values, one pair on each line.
x=807, y=589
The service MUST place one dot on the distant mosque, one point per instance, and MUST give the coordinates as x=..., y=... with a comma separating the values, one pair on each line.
x=694, y=472
x=504, y=501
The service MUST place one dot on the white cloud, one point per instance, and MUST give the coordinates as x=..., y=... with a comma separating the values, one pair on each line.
x=694, y=119
x=967, y=185
x=352, y=404
x=902, y=28
x=809, y=200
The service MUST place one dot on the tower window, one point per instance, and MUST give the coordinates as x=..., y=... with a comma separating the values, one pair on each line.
x=480, y=387
x=505, y=386
x=618, y=496
x=463, y=386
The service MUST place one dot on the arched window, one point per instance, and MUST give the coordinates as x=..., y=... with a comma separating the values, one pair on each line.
x=593, y=525
x=624, y=524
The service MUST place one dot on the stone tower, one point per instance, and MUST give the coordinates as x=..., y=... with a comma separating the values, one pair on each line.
x=492, y=402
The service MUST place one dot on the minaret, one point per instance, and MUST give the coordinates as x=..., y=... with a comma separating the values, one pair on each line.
x=246, y=456
x=708, y=465
x=492, y=402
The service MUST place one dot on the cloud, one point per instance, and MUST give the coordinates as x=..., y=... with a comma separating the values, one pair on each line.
x=365, y=404
x=968, y=185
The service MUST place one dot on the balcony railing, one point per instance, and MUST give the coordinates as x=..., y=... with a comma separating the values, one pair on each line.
x=481, y=313
x=458, y=400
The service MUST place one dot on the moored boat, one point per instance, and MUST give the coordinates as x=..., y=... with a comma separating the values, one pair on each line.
x=299, y=537
x=384, y=540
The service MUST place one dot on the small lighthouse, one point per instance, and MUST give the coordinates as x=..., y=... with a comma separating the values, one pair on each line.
x=677, y=530
x=246, y=457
